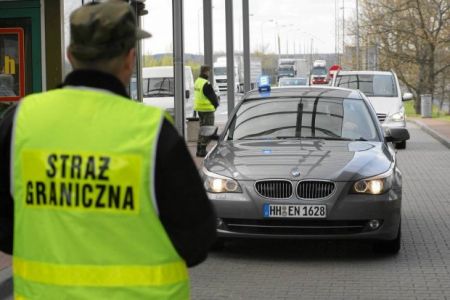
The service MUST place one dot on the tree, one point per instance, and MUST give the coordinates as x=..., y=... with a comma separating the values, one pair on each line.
x=412, y=37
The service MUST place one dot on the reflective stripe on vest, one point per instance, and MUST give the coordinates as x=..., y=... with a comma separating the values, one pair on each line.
x=85, y=215
x=101, y=276
x=201, y=102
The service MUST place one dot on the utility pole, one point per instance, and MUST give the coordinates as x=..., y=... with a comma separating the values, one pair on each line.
x=230, y=54
x=336, y=33
x=178, y=63
x=357, y=35
x=343, y=29
x=208, y=36
x=246, y=38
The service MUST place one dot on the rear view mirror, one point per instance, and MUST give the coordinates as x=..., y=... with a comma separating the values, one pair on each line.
x=407, y=96
x=397, y=135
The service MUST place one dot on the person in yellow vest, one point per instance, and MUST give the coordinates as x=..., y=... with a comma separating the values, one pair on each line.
x=105, y=200
x=205, y=104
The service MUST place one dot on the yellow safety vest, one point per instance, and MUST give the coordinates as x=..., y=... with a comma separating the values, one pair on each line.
x=86, y=225
x=201, y=102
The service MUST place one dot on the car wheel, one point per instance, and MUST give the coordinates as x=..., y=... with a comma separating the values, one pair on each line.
x=389, y=247
x=401, y=145
x=218, y=245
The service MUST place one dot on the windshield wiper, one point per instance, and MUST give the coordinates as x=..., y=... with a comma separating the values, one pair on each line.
x=281, y=137
x=156, y=92
x=158, y=89
x=328, y=138
x=334, y=138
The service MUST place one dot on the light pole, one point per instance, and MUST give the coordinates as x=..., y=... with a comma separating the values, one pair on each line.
x=287, y=40
x=199, y=33
x=343, y=27
x=278, y=39
x=357, y=35
x=262, y=33
x=240, y=38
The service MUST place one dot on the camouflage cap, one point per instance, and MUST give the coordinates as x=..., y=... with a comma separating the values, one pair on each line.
x=103, y=30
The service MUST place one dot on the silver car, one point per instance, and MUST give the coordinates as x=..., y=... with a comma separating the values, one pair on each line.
x=306, y=162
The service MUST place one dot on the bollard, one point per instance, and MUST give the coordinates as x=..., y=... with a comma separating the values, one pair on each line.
x=426, y=105
x=193, y=128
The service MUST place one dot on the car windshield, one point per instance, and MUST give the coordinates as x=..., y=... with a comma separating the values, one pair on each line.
x=286, y=69
x=370, y=85
x=292, y=81
x=319, y=71
x=297, y=118
x=154, y=87
x=220, y=71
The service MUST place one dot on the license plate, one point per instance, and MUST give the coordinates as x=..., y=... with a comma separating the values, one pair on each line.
x=294, y=211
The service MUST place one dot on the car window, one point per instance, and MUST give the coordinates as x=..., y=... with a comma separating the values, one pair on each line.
x=290, y=82
x=220, y=71
x=319, y=71
x=329, y=118
x=154, y=87
x=286, y=69
x=370, y=85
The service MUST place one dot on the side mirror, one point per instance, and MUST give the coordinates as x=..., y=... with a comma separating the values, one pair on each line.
x=397, y=135
x=407, y=96
x=188, y=94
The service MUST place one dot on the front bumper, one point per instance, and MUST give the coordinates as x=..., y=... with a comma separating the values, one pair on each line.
x=240, y=215
x=390, y=124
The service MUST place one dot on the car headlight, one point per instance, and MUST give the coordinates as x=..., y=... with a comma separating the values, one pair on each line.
x=398, y=116
x=375, y=185
x=215, y=183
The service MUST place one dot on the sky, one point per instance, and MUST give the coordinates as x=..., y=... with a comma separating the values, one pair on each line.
x=299, y=23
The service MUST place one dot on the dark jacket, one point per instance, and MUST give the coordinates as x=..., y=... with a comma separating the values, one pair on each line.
x=184, y=209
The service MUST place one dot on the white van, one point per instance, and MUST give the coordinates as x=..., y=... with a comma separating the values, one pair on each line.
x=158, y=87
x=384, y=93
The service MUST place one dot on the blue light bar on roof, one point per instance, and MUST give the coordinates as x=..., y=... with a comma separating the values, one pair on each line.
x=264, y=84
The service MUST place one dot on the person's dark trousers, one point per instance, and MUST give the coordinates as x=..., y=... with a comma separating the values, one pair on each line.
x=206, y=119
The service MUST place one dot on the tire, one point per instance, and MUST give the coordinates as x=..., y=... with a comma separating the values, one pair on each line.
x=401, y=145
x=218, y=245
x=389, y=247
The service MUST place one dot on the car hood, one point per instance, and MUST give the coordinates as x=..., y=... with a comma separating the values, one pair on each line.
x=162, y=102
x=167, y=103
x=386, y=105
x=314, y=159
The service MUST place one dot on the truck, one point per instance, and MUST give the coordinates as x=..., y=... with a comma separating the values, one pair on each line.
x=319, y=73
x=320, y=63
x=302, y=68
x=220, y=73
x=288, y=67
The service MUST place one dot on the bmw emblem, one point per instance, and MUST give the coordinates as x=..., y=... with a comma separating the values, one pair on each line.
x=295, y=172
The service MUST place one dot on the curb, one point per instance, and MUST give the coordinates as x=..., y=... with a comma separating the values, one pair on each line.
x=442, y=139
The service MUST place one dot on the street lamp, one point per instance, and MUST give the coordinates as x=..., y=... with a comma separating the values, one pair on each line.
x=287, y=39
x=343, y=28
x=199, y=33
x=262, y=33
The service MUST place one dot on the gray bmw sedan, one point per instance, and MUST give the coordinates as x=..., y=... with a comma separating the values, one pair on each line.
x=306, y=162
